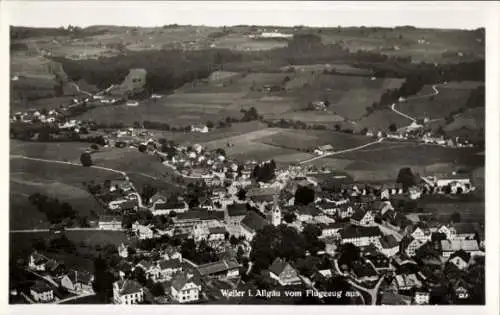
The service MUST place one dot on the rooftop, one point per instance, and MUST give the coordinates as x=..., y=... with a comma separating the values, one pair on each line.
x=253, y=221
x=278, y=266
x=359, y=231
x=128, y=286
x=217, y=267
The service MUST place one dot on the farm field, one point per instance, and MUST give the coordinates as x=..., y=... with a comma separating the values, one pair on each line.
x=472, y=119
x=310, y=139
x=349, y=96
x=381, y=120
x=413, y=154
x=451, y=97
x=312, y=117
x=54, y=180
x=61, y=151
x=469, y=211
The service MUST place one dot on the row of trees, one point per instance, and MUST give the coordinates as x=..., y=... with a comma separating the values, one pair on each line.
x=55, y=210
x=264, y=172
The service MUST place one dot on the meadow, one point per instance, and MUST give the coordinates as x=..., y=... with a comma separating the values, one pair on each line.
x=451, y=98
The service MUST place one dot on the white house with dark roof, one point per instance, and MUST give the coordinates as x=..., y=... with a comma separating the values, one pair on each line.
x=144, y=232
x=284, y=273
x=77, y=281
x=361, y=217
x=360, y=235
x=110, y=222
x=448, y=247
x=127, y=292
x=150, y=268
x=251, y=224
x=168, y=207
x=41, y=292
x=169, y=267
x=460, y=259
x=185, y=288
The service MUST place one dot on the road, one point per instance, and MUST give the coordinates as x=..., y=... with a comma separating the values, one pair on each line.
x=413, y=119
x=80, y=90
x=139, y=199
x=372, y=292
x=74, y=298
x=340, y=152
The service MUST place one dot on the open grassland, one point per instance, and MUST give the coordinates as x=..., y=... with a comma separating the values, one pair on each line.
x=64, y=182
x=451, y=97
x=310, y=139
x=349, y=96
x=311, y=117
x=381, y=120
x=469, y=211
x=215, y=134
x=413, y=154
x=472, y=119
x=60, y=151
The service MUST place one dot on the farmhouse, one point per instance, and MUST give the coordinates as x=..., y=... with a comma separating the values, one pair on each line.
x=185, y=288
x=360, y=235
x=169, y=267
x=361, y=217
x=151, y=269
x=223, y=269
x=42, y=292
x=284, y=273
x=199, y=128
x=389, y=245
x=460, y=259
x=168, y=207
x=409, y=245
x=110, y=222
x=448, y=247
x=202, y=217
x=77, y=281
x=251, y=224
x=324, y=149
x=142, y=231
x=406, y=282
x=127, y=292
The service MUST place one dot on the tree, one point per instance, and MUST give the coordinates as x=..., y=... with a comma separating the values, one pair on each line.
x=241, y=194
x=304, y=195
x=139, y=275
x=210, y=124
x=239, y=254
x=142, y=148
x=455, y=217
x=393, y=128
x=438, y=237
x=220, y=151
x=337, y=127
x=349, y=253
x=289, y=217
x=86, y=159
x=311, y=234
x=94, y=147
x=406, y=178
x=148, y=191
x=233, y=240
x=103, y=280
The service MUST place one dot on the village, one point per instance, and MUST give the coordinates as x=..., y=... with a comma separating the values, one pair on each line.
x=228, y=203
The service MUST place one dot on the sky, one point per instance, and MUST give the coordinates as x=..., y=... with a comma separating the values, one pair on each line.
x=463, y=15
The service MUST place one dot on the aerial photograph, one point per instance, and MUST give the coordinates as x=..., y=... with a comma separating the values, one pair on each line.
x=246, y=164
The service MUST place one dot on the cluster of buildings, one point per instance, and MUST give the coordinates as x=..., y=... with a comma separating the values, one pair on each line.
x=55, y=275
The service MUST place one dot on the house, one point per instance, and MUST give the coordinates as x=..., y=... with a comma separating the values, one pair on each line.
x=123, y=251
x=422, y=297
x=307, y=213
x=37, y=261
x=406, y=282
x=324, y=149
x=448, y=247
x=344, y=211
x=187, y=220
x=363, y=272
x=464, y=230
x=409, y=245
x=199, y=128
x=110, y=222
x=42, y=292
x=169, y=267
x=327, y=207
x=331, y=229
x=460, y=259
x=167, y=207
x=284, y=273
x=222, y=269
x=216, y=233
x=389, y=246
x=185, y=288
x=361, y=217
x=461, y=290
x=151, y=269
x=251, y=224
x=127, y=292
x=420, y=233
x=235, y=214
x=77, y=281
x=360, y=235
x=142, y=231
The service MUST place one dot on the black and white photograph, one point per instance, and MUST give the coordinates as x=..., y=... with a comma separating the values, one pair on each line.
x=249, y=153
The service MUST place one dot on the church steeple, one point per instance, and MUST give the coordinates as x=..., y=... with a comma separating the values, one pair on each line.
x=276, y=212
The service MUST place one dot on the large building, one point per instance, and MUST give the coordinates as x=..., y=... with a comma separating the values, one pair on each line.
x=127, y=292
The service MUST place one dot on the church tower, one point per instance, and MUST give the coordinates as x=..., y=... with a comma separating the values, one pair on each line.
x=276, y=212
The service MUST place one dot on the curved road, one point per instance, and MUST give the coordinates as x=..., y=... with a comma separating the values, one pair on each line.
x=341, y=151
x=372, y=292
x=413, y=119
x=79, y=90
